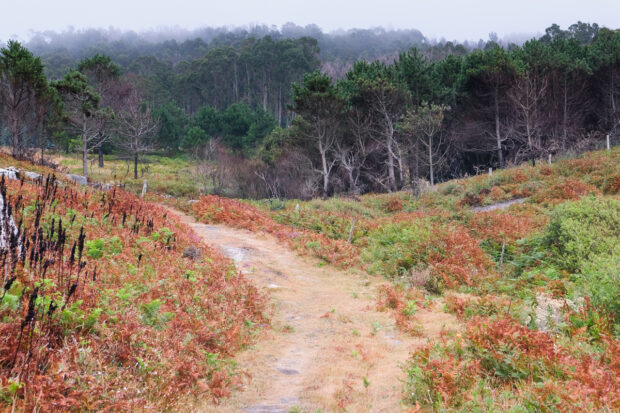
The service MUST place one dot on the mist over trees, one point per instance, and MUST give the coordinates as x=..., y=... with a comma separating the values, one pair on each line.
x=295, y=112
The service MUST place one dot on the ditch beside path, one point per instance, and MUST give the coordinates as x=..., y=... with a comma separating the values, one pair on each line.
x=329, y=347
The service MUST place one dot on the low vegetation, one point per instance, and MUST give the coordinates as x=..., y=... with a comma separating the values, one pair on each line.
x=535, y=284
x=172, y=176
x=101, y=307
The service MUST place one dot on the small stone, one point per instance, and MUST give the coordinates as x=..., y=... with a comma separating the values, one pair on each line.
x=192, y=252
x=78, y=179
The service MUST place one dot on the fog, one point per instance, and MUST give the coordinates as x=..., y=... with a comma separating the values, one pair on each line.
x=156, y=19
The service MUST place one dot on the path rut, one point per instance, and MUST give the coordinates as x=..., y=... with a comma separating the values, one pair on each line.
x=329, y=347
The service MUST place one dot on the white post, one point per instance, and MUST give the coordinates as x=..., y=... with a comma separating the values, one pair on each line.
x=144, y=185
x=490, y=171
x=549, y=159
x=608, y=147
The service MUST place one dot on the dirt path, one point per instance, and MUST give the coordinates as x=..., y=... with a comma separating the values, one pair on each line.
x=329, y=347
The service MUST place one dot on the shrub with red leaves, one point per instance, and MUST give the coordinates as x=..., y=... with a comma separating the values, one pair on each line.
x=515, y=363
x=100, y=310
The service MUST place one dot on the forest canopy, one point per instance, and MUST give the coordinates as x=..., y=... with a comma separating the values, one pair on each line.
x=305, y=113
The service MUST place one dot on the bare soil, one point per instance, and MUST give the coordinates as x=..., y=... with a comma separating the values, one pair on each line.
x=498, y=205
x=329, y=349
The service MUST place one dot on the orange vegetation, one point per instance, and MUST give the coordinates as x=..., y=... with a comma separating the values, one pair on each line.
x=102, y=310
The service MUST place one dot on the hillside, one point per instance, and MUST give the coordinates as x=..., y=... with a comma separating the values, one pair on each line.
x=533, y=281
x=110, y=303
x=486, y=293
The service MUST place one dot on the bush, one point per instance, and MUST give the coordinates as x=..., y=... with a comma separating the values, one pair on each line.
x=583, y=237
x=396, y=249
x=581, y=230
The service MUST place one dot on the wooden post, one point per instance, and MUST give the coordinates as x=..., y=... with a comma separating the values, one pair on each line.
x=608, y=146
x=490, y=171
x=144, y=186
x=351, y=231
x=549, y=159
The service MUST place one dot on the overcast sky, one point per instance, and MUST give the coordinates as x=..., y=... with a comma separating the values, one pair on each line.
x=452, y=19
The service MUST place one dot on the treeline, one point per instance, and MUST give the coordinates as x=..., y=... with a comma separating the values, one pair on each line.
x=63, y=50
x=91, y=106
x=237, y=69
x=430, y=113
x=386, y=127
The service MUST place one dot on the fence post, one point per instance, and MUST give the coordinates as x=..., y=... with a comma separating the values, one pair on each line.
x=549, y=159
x=144, y=185
x=490, y=171
x=608, y=146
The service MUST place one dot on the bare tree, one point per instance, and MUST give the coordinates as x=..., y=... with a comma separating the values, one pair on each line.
x=529, y=122
x=135, y=127
x=355, y=148
x=209, y=170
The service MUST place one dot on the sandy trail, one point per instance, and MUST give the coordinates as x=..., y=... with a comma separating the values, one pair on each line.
x=329, y=348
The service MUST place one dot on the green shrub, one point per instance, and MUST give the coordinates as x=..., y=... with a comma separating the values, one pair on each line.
x=584, y=237
x=583, y=229
x=601, y=282
x=395, y=249
x=95, y=248
x=151, y=315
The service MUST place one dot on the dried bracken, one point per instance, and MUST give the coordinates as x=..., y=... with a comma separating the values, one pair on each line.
x=100, y=310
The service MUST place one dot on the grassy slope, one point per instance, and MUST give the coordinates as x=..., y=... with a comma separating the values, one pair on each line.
x=123, y=320
x=491, y=268
x=165, y=175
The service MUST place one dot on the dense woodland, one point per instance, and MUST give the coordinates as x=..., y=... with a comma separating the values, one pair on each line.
x=298, y=113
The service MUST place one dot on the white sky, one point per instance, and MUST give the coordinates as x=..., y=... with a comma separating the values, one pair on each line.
x=452, y=19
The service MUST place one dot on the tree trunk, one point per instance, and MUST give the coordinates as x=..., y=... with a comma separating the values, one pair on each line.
x=135, y=166
x=411, y=170
x=352, y=186
x=401, y=171
x=247, y=76
x=389, y=132
x=612, y=98
x=264, y=90
x=84, y=149
x=325, y=170
x=565, y=115
x=236, y=84
x=498, y=137
x=15, y=133
x=41, y=139
x=280, y=106
x=391, y=176
x=100, y=152
x=430, y=160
